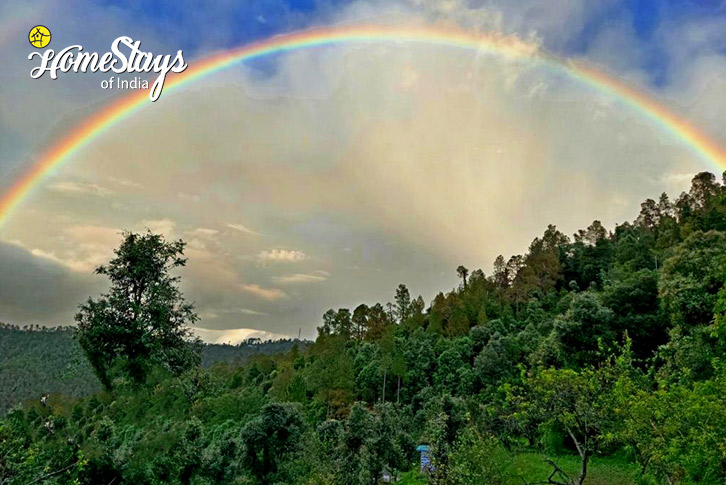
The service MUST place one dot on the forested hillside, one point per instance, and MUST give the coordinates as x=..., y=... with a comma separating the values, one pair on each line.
x=596, y=358
x=239, y=354
x=36, y=360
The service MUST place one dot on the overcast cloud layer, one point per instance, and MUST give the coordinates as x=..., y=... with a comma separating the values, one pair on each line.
x=323, y=178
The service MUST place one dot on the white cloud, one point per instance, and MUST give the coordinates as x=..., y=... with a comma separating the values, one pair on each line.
x=290, y=279
x=192, y=197
x=90, y=246
x=241, y=228
x=125, y=183
x=234, y=335
x=212, y=313
x=247, y=311
x=270, y=294
x=677, y=178
x=68, y=187
x=160, y=226
x=203, y=232
x=100, y=236
x=75, y=265
x=282, y=255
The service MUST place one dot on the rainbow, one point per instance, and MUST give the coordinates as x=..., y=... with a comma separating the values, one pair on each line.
x=507, y=46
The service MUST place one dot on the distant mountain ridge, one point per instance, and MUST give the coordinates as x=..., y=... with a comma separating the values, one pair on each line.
x=35, y=360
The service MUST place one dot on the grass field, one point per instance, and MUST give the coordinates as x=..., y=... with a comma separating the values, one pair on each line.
x=530, y=467
x=601, y=471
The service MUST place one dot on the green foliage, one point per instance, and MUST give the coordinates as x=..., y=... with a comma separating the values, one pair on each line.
x=268, y=438
x=692, y=277
x=477, y=459
x=143, y=320
x=633, y=300
x=677, y=431
x=583, y=329
x=37, y=361
x=596, y=359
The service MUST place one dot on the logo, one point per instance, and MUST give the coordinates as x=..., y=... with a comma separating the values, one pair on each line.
x=125, y=57
x=39, y=36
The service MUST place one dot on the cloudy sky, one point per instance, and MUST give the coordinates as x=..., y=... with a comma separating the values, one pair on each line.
x=325, y=177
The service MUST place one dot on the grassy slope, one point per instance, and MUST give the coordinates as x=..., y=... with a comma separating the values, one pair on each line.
x=531, y=467
x=601, y=471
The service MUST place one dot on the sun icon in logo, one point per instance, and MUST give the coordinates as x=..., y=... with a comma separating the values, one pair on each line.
x=39, y=36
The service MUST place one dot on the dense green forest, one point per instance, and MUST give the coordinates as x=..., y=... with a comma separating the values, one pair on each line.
x=39, y=360
x=36, y=360
x=597, y=358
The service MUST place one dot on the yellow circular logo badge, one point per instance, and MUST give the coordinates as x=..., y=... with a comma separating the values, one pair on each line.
x=39, y=36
